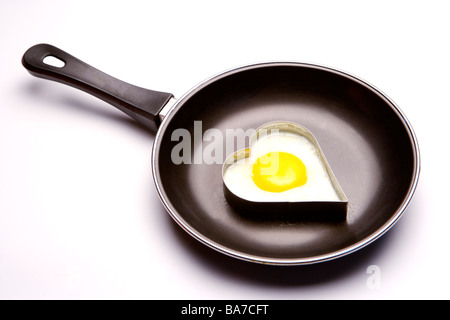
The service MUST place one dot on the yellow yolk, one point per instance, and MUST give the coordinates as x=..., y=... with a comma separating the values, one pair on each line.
x=278, y=172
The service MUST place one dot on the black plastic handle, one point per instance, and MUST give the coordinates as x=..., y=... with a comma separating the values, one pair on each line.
x=141, y=104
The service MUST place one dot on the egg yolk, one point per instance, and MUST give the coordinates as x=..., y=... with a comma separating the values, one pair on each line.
x=278, y=172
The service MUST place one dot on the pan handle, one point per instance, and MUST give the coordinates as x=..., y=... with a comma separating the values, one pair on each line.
x=141, y=104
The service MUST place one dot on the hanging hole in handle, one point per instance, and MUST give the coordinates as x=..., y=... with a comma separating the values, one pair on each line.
x=54, y=61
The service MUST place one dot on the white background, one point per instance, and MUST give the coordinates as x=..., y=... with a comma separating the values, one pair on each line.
x=79, y=214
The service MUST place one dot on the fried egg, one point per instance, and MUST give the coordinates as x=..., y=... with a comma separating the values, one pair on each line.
x=284, y=165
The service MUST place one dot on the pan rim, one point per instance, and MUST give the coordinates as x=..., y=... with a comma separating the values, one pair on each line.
x=185, y=225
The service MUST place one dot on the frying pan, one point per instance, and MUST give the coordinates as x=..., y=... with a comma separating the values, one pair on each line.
x=366, y=139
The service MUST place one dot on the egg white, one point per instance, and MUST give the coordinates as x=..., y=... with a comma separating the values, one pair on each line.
x=238, y=176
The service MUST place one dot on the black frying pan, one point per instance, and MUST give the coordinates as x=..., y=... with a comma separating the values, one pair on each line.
x=367, y=140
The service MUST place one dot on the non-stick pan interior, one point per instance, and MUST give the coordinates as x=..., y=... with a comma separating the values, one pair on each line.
x=364, y=137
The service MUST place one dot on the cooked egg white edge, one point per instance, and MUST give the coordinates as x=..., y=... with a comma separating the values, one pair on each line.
x=238, y=176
